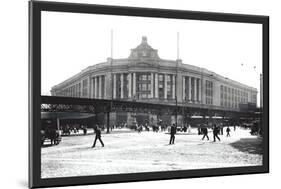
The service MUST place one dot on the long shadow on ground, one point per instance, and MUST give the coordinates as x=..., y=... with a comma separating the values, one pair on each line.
x=249, y=145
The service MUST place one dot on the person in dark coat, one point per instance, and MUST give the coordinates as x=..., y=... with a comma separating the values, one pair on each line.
x=172, y=133
x=199, y=130
x=98, y=136
x=228, y=131
x=216, y=131
x=205, y=133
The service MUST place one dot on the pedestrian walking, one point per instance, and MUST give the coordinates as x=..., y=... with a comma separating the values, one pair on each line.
x=98, y=136
x=216, y=131
x=228, y=131
x=199, y=131
x=84, y=128
x=172, y=133
x=205, y=133
x=139, y=128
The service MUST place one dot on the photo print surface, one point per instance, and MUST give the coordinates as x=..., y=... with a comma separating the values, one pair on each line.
x=142, y=94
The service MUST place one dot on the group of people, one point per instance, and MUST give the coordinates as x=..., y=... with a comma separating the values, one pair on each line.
x=159, y=127
x=216, y=131
x=73, y=128
x=204, y=130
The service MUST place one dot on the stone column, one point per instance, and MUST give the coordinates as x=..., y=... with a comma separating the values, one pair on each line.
x=199, y=90
x=156, y=85
x=173, y=119
x=134, y=85
x=129, y=85
x=92, y=90
x=203, y=92
x=112, y=118
x=74, y=92
x=122, y=85
x=151, y=85
x=189, y=88
x=100, y=84
x=174, y=87
x=165, y=86
x=104, y=88
x=114, y=86
x=195, y=89
x=58, y=123
x=80, y=89
x=96, y=87
x=89, y=88
x=183, y=88
x=130, y=118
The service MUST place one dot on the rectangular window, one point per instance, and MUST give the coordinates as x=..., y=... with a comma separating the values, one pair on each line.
x=161, y=86
x=209, y=92
x=79, y=90
x=85, y=88
x=168, y=78
x=168, y=87
x=143, y=85
x=144, y=95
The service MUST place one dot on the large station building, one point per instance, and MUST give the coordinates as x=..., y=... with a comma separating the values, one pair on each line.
x=145, y=77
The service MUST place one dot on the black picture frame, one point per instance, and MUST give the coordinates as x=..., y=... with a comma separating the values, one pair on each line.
x=35, y=98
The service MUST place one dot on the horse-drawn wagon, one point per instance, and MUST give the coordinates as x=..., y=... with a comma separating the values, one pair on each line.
x=50, y=133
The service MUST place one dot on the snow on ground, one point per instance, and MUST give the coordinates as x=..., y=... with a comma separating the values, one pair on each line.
x=131, y=152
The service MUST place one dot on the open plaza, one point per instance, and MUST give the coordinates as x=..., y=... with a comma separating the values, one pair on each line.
x=127, y=151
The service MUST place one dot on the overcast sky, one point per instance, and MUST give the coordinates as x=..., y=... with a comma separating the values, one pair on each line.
x=71, y=42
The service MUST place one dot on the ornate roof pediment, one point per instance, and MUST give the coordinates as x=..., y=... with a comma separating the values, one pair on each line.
x=144, y=50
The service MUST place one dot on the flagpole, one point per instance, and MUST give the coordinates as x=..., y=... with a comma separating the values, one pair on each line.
x=111, y=62
x=176, y=78
x=178, y=48
x=111, y=44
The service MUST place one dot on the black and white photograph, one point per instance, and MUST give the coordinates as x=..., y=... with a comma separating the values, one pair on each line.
x=132, y=94
x=140, y=94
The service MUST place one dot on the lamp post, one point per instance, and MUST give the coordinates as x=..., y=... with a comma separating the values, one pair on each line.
x=201, y=88
x=176, y=78
x=176, y=96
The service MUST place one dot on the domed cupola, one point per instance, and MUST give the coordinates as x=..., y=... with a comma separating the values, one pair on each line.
x=144, y=51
